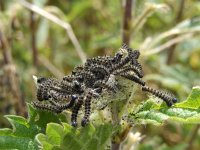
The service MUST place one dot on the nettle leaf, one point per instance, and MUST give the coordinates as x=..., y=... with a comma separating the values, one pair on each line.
x=13, y=142
x=23, y=132
x=5, y=131
x=21, y=127
x=187, y=111
x=64, y=136
x=21, y=137
x=41, y=118
x=193, y=100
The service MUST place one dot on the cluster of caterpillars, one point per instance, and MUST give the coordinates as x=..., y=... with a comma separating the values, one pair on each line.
x=89, y=81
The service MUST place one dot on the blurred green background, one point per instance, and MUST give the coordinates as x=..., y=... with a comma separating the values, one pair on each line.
x=165, y=31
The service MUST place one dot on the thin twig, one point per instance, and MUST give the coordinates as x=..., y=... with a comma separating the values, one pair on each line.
x=5, y=51
x=10, y=72
x=177, y=20
x=1, y=5
x=127, y=22
x=57, y=73
x=59, y=22
x=33, y=38
x=180, y=11
x=115, y=146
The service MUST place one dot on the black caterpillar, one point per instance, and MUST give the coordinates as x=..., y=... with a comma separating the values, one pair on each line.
x=90, y=81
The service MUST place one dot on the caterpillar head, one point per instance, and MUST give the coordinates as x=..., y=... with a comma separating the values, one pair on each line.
x=43, y=87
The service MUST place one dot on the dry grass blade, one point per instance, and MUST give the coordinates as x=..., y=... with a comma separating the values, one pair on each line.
x=59, y=22
x=172, y=32
x=50, y=67
x=149, y=10
x=167, y=44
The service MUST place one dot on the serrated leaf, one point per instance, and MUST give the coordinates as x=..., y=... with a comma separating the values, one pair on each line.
x=41, y=118
x=24, y=130
x=46, y=117
x=103, y=133
x=16, y=119
x=86, y=133
x=40, y=138
x=21, y=127
x=32, y=113
x=185, y=112
x=151, y=117
x=11, y=142
x=86, y=138
x=179, y=112
x=55, y=132
x=193, y=101
x=92, y=138
x=5, y=131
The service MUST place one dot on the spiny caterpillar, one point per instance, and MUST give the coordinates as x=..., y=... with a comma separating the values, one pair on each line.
x=93, y=79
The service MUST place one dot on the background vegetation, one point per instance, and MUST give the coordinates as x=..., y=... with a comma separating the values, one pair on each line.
x=52, y=40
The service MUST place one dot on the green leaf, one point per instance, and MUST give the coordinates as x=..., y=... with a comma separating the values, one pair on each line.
x=67, y=137
x=5, y=131
x=41, y=118
x=55, y=133
x=187, y=111
x=21, y=143
x=41, y=140
x=193, y=101
x=22, y=136
x=21, y=127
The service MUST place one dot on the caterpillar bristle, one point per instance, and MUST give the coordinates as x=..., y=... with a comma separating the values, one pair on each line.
x=133, y=78
x=88, y=98
x=169, y=99
x=75, y=111
x=47, y=107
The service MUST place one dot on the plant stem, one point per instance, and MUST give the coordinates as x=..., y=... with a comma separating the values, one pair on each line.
x=193, y=137
x=115, y=146
x=115, y=121
x=10, y=73
x=1, y=5
x=126, y=32
x=5, y=50
x=127, y=22
x=33, y=38
x=177, y=20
